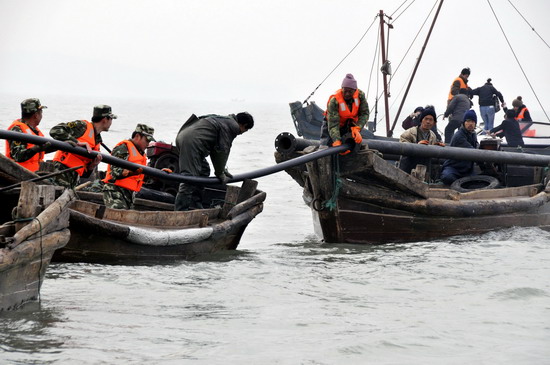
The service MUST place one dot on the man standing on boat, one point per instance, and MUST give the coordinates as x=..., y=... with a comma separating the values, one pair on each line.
x=200, y=137
x=122, y=184
x=461, y=82
x=422, y=134
x=465, y=137
x=459, y=105
x=80, y=133
x=487, y=94
x=28, y=155
x=347, y=112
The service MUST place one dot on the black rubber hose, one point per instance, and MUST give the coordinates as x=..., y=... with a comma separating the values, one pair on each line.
x=64, y=146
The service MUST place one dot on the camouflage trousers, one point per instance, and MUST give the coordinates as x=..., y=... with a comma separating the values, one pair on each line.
x=68, y=179
x=116, y=197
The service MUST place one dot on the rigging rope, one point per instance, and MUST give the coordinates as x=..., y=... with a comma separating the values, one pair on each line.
x=532, y=28
x=399, y=7
x=408, y=49
x=339, y=63
x=517, y=60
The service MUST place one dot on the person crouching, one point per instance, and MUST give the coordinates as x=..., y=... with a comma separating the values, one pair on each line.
x=122, y=184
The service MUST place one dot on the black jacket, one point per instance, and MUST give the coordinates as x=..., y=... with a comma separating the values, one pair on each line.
x=486, y=93
x=462, y=138
x=510, y=129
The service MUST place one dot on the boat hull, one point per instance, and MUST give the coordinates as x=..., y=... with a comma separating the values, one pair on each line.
x=364, y=199
x=96, y=241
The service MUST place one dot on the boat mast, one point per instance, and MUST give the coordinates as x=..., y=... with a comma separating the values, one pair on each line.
x=384, y=69
x=415, y=68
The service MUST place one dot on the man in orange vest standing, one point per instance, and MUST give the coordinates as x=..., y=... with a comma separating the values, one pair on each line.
x=27, y=155
x=80, y=133
x=347, y=112
x=461, y=82
x=121, y=185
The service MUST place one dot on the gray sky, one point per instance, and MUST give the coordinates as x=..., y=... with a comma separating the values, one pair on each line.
x=261, y=50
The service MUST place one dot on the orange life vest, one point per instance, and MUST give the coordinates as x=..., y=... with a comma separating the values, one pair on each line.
x=73, y=160
x=135, y=182
x=343, y=109
x=32, y=163
x=463, y=85
x=529, y=132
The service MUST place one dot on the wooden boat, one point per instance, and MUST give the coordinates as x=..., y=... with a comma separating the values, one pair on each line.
x=363, y=198
x=28, y=242
x=154, y=232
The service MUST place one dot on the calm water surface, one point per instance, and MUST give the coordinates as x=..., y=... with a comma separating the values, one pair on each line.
x=284, y=297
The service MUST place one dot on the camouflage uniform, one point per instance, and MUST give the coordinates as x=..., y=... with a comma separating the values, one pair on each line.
x=69, y=132
x=117, y=197
x=18, y=150
x=331, y=130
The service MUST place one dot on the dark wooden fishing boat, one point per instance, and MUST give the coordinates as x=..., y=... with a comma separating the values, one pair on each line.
x=28, y=242
x=154, y=232
x=363, y=198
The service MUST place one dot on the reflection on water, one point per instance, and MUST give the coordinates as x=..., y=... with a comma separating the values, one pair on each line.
x=27, y=330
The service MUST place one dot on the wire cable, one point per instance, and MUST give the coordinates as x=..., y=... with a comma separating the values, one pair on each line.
x=532, y=28
x=339, y=63
x=517, y=60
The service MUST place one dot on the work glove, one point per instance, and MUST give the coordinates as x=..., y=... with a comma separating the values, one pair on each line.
x=224, y=177
x=339, y=143
x=356, y=134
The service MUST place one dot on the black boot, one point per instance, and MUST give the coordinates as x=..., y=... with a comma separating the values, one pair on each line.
x=183, y=202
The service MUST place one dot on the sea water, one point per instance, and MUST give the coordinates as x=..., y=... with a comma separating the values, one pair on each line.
x=284, y=297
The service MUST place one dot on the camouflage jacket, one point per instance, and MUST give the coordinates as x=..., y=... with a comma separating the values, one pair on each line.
x=333, y=115
x=121, y=151
x=71, y=131
x=18, y=150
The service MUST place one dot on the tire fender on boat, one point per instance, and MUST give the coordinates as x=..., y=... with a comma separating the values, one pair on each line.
x=475, y=182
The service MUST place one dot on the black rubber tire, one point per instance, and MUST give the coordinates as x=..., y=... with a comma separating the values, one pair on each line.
x=168, y=160
x=475, y=182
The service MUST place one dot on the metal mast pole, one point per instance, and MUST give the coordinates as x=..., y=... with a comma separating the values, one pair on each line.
x=384, y=74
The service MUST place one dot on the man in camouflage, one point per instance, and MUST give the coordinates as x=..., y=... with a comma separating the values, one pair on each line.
x=122, y=184
x=347, y=112
x=199, y=137
x=28, y=155
x=80, y=133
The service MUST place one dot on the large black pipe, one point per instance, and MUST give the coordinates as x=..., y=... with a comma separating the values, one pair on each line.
x=63, y=146
x=411, y=149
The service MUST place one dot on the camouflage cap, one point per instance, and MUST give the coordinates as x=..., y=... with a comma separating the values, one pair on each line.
x=103, y=111
x=146, y=131
x=31, y=105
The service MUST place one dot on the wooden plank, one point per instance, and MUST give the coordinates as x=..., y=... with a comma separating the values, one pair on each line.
x=529, y=190
x=369, y=162
x=248, y=189
x=231, y=196
x=28, y=206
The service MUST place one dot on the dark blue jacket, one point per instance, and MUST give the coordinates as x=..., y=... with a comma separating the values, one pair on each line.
x=486, y=93
x=510, y=129
x=462, y=138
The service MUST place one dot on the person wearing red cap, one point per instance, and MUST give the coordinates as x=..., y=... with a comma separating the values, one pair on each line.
x=347, y=112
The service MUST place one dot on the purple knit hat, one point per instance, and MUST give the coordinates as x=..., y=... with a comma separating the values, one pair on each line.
x=349, y=81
